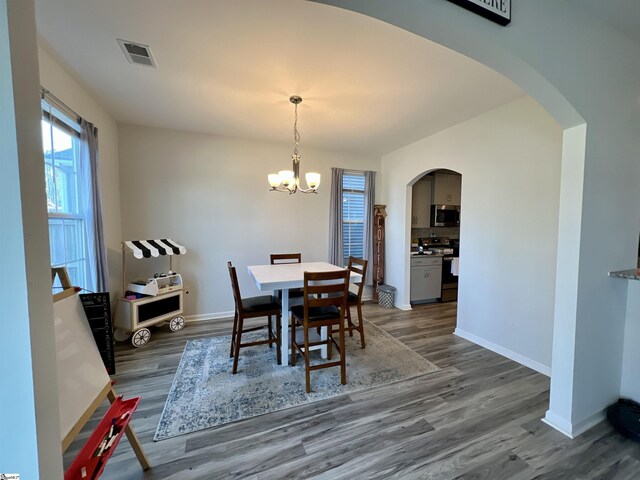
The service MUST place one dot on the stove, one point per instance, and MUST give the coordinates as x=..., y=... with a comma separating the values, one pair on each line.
x=449, y=249
x=441, y=250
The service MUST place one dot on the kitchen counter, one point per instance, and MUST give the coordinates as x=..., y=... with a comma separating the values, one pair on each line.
x=633, y=274
x=416, y=254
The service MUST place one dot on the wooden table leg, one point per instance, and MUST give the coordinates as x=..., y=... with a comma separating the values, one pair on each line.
x=284, y=328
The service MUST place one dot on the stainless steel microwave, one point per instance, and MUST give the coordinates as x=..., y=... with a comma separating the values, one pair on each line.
x=445, y=215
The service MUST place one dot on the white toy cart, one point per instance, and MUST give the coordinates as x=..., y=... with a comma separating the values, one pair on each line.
x=163, y=300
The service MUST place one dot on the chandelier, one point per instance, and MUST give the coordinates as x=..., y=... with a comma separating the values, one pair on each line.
x=289, y=180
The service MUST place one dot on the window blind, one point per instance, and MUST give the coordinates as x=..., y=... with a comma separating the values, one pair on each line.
x=353, y=215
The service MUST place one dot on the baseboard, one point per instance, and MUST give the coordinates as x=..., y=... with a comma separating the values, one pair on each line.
x=208, y=316
x=558, y=423
x=505, y=352
x=582, y=426
x=573, y=430
x=403, y=307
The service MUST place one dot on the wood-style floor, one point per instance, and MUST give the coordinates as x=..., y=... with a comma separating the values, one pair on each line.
x=476, y=418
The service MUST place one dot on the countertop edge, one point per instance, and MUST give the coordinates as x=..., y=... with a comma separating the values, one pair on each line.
x=632, y=274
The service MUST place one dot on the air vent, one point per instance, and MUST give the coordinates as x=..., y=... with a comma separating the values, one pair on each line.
x=137, y=53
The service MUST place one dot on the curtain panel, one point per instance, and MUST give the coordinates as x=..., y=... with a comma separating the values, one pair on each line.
x=96, y=249
x=336, y=248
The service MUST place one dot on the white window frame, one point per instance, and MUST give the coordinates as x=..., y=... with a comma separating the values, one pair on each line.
x=55, y=118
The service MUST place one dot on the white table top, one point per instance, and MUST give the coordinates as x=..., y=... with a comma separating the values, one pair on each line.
x=289, y=275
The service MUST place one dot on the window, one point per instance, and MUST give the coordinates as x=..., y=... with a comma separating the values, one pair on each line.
x=67, y=226
x=353, y=201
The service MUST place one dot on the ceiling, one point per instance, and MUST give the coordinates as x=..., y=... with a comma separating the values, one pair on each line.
x=228, y=67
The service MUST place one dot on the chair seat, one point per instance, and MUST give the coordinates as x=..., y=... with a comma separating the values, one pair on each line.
x=316, y=314
x=352, y=298
x=263, y=303
x=295, y=301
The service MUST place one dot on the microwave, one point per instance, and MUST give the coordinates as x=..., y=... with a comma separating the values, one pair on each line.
x=445, y=215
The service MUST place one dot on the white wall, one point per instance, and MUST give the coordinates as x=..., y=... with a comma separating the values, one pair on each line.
x=211, y=194
x=56, y=78
x=509, y=159
x=581, y=70
x=29, y=422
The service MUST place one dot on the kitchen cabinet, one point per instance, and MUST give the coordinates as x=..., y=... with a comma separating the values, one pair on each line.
x=426, y=278
x=447, y=189
x=421, y=204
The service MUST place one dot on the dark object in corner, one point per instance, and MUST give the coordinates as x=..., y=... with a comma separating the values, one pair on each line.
x=625, y=418
x=97, y=308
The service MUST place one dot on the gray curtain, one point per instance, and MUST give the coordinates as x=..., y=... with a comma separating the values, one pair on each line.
x=96, y=250
x=369, y=202
x=336, y=249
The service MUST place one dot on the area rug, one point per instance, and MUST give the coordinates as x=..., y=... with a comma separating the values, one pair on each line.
x=204, y=393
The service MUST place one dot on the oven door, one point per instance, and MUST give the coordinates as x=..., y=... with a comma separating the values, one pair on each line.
x=449, y=280
x=449, y=292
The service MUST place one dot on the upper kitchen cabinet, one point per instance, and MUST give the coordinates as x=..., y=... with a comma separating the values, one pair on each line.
x=421, y=204
x=446, y=189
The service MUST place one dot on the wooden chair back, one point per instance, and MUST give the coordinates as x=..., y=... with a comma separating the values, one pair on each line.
x=235, y=287
x=278, y=258
x=358, y=265
x=324, y=289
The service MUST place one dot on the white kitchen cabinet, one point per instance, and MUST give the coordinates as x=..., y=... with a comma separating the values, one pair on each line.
x=447, y=189
x=421, y=204
x=426, y=278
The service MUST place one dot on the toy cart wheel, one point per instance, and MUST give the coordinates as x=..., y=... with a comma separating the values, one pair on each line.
x=141, y=337
x=176, y=324
x=121, y=335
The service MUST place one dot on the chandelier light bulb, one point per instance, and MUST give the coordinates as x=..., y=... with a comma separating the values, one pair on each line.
x=274, y=180
x=286, y=176
x=313, y=180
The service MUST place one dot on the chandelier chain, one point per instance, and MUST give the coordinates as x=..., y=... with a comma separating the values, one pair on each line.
x=296, y=134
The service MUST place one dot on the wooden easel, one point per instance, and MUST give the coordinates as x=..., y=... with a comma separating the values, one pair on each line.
x=106, y=392
x=109, y=393
x=65, y=281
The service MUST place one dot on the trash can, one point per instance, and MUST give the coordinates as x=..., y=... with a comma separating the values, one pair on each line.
x=386, y=294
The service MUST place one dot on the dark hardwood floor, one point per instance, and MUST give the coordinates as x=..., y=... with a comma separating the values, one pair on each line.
x=476, y=418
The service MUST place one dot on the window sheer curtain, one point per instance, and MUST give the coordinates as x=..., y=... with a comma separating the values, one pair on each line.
x=92, y=207
x=336, y=247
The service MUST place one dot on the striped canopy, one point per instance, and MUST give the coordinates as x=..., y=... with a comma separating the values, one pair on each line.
x=154, y=248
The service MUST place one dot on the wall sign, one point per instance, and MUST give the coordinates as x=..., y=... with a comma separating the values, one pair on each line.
x=498, y=11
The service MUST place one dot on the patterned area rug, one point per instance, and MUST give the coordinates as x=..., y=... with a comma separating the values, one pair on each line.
x=205, y=393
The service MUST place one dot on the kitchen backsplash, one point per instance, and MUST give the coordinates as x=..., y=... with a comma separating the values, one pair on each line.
x=451, y=232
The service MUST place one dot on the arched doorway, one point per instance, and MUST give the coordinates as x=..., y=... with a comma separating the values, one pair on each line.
x=587, y=365
x=435, y=237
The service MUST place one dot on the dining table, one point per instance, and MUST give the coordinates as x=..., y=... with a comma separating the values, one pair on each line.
x=284, y=277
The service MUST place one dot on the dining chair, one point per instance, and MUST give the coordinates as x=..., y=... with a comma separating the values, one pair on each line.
x=356, y=265
x=278, y=258
x=295, y=294
x=325, y=303
x=253, y=307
